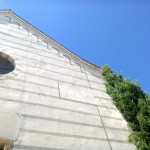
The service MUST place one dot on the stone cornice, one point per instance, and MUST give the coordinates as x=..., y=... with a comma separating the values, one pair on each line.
x=50, y=40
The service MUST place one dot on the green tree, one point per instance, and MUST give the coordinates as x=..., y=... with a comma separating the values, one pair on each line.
x=133, y=103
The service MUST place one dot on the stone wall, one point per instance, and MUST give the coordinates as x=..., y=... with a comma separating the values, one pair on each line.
x=61, y=101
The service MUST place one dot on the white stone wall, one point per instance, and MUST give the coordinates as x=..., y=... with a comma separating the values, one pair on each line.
x=61, y=100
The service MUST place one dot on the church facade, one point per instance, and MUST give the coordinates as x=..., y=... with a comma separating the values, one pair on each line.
x=50, y=98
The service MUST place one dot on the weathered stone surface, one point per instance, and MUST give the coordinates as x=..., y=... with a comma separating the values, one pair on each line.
x=61, y=100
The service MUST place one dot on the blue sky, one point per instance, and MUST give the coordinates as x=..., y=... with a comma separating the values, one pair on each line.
x=115, y=32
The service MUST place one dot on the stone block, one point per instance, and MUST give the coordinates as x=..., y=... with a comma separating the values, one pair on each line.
x=59, y=142
x=105, y=111
x=122, y=146
x=64, y=128
x=50, y=113
x=115, y=123
x=118, y=135
x=71, y=91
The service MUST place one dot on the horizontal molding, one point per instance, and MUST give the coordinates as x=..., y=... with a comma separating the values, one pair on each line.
x=30, y=46
x=25, y=39
x=50, y=40
x=65, y=121
x=56, y=72
x=48, y=106
x=59, y=108
x=59, y=97
x=52, y=65
x=14, y=79
x=41, y=50
x=48, y=58
x=70, y=136
x=61, y=134
x=56, y=80
x=44, y=77
x=23, y=90
x=15, y=146
x=37, y=60
x=62, y=121
x=8, y=22
x=73, y=122
x=68, y=76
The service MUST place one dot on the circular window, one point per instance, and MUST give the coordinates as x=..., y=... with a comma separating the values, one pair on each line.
x=7, y=64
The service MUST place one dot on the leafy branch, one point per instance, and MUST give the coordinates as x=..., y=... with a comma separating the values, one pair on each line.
x=133, y=103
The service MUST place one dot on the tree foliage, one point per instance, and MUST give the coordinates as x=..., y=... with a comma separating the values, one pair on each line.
x=133, y=103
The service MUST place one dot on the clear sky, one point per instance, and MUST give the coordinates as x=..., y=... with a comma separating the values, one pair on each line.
x=113, y=32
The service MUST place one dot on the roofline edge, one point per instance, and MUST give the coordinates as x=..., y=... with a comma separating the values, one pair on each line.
x=49, y=38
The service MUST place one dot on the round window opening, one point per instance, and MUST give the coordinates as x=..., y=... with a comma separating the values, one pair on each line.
x=7, y=64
